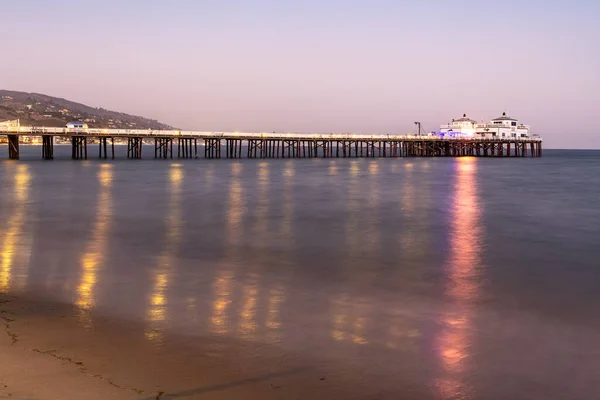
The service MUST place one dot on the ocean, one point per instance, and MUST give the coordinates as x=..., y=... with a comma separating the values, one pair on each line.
x=420, y=278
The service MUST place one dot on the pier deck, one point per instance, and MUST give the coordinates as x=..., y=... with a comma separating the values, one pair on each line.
x=266, y=145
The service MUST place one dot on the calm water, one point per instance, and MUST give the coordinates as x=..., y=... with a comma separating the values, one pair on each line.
x=429, y=278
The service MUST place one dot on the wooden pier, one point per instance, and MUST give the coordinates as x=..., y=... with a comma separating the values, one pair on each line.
x=259, y=145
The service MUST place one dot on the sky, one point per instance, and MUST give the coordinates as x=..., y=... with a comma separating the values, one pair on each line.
x=315, y=66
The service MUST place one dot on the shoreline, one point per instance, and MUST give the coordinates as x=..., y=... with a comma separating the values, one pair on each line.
x=47, y=354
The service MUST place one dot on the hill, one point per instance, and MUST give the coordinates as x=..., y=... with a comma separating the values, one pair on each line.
x=35, y=109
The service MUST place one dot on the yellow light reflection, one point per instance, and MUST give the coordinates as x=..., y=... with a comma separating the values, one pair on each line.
x=235, y=209
x=15, y=226
x=158, y=302
x=454, y=341
x=349, y=319
x=222, y=286
x=222, y=295
x=359, y=325
x=191, y=304
x=247, y=317
x=353, y=206
x=93, y=257
x=402, y=333
x=288, y=200
x=333, y=170
x=263, y=198
x=340, y=318
x=276, y=294
x=374, y=168
x=276, y=297
x=407, y=237
x=401, y=336
x=372, y=237
x=209, y=176
x=349, y=315
x=354, y=168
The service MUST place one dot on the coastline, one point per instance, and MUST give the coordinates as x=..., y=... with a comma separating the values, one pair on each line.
x=40, y=358
x=48, y=354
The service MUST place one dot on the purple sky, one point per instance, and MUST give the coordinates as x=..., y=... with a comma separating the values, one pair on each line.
x=319, y=66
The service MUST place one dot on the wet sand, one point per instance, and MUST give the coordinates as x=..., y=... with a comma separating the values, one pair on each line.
x=47, y=354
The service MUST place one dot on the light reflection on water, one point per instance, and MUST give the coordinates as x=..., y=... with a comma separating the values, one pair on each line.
x=334, y=258
x=16, y=243
x=93, y=258
x=251, y=281
x=277, y=288
x=166, y=264
x=401, y=333
x=223, y=283
x=341, y=318
x=462, y=289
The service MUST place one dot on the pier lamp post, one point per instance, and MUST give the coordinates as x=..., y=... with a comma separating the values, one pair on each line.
x=419, y=128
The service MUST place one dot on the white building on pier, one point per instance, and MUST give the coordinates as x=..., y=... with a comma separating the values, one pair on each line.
x=462, y=127
x=503, y=127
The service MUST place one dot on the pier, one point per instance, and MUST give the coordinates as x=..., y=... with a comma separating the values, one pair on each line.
x=266, y=145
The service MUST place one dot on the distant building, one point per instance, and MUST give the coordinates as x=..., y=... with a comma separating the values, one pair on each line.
x=10, y=123
x=76, y=125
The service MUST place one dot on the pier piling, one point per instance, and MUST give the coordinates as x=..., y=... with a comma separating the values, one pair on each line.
x=13, y=147
x=187, y=148
x=79, y=148
x=47, y=147
x=103, y=148
x=134, y=147
x=163, y=148
x=212, y=148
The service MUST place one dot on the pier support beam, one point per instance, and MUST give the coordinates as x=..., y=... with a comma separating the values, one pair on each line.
x=47, y=147
x=187, y=148
x=234, y=148
x=134, y=147
x=79, y=148
x=103, y=147
x=212, y=148
x=13, y=147
x=163, y=148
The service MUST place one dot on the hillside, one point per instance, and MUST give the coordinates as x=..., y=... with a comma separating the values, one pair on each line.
x=34, y=109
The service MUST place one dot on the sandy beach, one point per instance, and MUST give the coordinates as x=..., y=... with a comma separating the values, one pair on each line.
x=48, y=355
x=36, y=366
